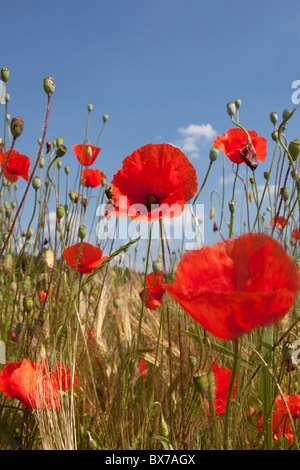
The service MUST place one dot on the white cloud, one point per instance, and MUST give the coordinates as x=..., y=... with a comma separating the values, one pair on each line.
x=193, y=136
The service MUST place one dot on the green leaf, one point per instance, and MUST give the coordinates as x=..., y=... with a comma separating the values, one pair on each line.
x=166, y=444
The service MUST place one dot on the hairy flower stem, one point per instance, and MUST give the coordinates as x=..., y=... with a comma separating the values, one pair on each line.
x=229, y=395
x=30, y=178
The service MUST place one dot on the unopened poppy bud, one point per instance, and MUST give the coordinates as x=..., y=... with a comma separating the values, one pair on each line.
x=273, y=118
x=252, y=180
x=40, y=200
x=89, y=151
x=285, y=193
x=215, y=227
x=1, y=144
x=67, y=170
x=49, y=85
x=7, y=97
x=27, y=304
x=238, y=103
x=49, y=258
x=7, y=117
x=18, y=329
x=231, y=108
x=274, y=136
x=46, y=240
x=61, y=150
x=103, y=182
x=13, y=205
x=60, y=212
x=8, y=213
x=26, y=285
x=90, y=107
x=16, y=126
x=82, y=232
x=117, y=303
x=72, y=196
x=68, y=227
x=232, y=206
x=36, y=183
x=212, y=213
x=267, y=175
x=156, y=266
x=59, y=164
x=48, y=146
x=105, y=117
x=109, y=193
x=294, y=149
x=294, y=175
x=42, y=162
x=4, y=74
x=59, y=141
x=213, y=154
x=251, y=195
x=7, y=264
x=164, y=427
x=192, y=362
x=287, y=350
x=201, y=382
x=286, y=114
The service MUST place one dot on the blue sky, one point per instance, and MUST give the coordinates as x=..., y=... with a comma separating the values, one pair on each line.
x=163, y=71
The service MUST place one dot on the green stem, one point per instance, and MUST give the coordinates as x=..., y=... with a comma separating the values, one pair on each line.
x=230, y=390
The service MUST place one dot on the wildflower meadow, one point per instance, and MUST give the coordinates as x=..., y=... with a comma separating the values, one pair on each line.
x=114, y=337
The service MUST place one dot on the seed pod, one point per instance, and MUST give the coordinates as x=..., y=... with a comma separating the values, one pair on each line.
x=90, y=107
x=61, y=150
x=116, y=303
x=192, y=361
x=49, y=85
x=273, y=118
x=16, y=126
x=285, y=193
x=105, y=117
x=82, y=232
x=60, y=212
x=27, y=304
x=231, y=108
x=213, y=154
x=294, y=149
x=7, y=264
x=156, y=266
x=232, y=206
x=201, y=382
x=36, y=183
x=238, y=103
x=4, y=74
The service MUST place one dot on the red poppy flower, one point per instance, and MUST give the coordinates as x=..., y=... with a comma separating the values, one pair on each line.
x=279, y=223
x=155, y=181
x=142, y=367
x=293, y=403
x=34, y=385
x=296, y=234
x=89, y=259
x=42, y=294
x=236, y=285
x=281, y=425
x=222, y=377
x=86, y=154
x=91, y=178
x=17, y=165
x=235, y=140
x=154, y=297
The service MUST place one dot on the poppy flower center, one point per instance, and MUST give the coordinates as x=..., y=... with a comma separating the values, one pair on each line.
x=153, y=199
